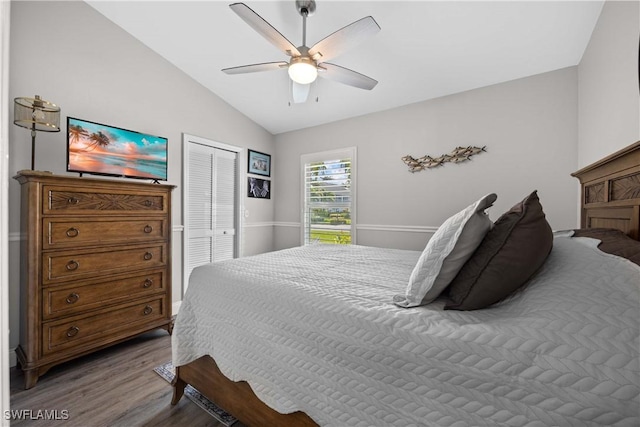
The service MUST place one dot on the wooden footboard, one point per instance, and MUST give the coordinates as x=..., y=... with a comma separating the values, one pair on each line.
x=237, y=398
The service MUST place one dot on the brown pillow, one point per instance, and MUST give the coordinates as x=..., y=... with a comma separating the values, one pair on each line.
x=613, y=242
x=510, y=254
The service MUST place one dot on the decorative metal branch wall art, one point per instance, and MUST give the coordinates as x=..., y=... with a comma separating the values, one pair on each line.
x=458, y=155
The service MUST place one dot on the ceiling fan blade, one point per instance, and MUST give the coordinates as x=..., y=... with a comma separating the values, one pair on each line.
x=344, y=39
x=346, y=76
x=299, y=92
x=254, y=68
x=265, y=29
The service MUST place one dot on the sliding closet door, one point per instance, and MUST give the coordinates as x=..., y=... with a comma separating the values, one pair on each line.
x=211, y=204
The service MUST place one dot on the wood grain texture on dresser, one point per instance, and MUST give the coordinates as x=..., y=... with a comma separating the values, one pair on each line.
x=95, y=267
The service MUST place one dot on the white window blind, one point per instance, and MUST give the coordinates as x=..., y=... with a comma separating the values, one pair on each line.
x=328, y=197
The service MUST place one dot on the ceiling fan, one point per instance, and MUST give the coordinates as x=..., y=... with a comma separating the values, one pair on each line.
x=307, y=63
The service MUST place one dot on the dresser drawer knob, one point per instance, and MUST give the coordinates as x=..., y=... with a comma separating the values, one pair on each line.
x=148, y=229
x=148, y=256
x=148, y=310
x=73, y=200
x=73, y=265
x=72, y=298
x=147, y=283
x=148, y=203
x=72, y=331
x=72, y=232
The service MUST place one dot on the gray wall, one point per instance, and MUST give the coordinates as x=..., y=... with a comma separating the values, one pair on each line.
x=609, y=101
x=528, y=125
x=71, y=55
x=537, y=130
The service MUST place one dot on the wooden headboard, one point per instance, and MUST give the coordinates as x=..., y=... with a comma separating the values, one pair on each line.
x=611, y=192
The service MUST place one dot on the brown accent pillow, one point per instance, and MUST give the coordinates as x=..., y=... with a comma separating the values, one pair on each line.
x=510, y=254
x=613, y=242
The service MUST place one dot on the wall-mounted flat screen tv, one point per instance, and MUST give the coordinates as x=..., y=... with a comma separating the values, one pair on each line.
x=99, y=149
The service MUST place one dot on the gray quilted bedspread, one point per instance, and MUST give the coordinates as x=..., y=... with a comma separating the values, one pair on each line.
x=314, y=329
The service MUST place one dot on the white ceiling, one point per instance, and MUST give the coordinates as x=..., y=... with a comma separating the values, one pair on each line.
x=426, y=49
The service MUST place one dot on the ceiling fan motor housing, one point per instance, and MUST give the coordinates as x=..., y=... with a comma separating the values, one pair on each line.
x=306, y=7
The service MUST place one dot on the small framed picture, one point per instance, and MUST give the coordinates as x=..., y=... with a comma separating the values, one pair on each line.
x=259, y=163
x=259, y=188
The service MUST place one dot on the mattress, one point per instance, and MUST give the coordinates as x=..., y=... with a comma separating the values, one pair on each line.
x=314, y=329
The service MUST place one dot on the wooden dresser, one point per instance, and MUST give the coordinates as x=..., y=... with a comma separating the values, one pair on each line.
x=95, y=267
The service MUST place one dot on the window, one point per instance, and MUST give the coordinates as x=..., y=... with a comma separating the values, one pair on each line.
x=328, y=199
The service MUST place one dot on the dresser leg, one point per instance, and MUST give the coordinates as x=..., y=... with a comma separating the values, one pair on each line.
x=30, y=378
x=169, y=327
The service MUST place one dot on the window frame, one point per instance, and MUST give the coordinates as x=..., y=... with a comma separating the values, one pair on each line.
x=342, y=153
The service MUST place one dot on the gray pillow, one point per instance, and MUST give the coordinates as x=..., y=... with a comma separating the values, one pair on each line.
x=446, y=252
x=510, y=254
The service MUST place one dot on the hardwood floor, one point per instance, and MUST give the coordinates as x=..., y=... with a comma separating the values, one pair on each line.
x=112, y=387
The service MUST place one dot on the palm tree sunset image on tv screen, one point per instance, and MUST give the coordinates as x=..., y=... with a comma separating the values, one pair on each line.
x=107, y=150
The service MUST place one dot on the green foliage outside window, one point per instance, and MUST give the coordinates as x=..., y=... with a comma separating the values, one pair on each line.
x=328, y=203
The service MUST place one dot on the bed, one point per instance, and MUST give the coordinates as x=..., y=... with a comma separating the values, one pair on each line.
x=312, y=336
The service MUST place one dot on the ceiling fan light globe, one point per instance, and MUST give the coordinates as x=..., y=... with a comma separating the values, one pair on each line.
x=303, y=72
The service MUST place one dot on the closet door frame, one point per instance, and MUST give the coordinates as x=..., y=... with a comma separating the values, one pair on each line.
x=188, y=139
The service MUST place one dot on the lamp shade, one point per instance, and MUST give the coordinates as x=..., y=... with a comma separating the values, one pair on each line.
x=36, y=114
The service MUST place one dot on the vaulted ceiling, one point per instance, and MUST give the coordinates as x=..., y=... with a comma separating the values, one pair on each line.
x=426, y=49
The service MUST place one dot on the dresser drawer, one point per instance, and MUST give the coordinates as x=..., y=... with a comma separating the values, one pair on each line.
x=104, y=326
x=68, y=300
x=75, y=232
x=70, y=200
x=67, y=265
